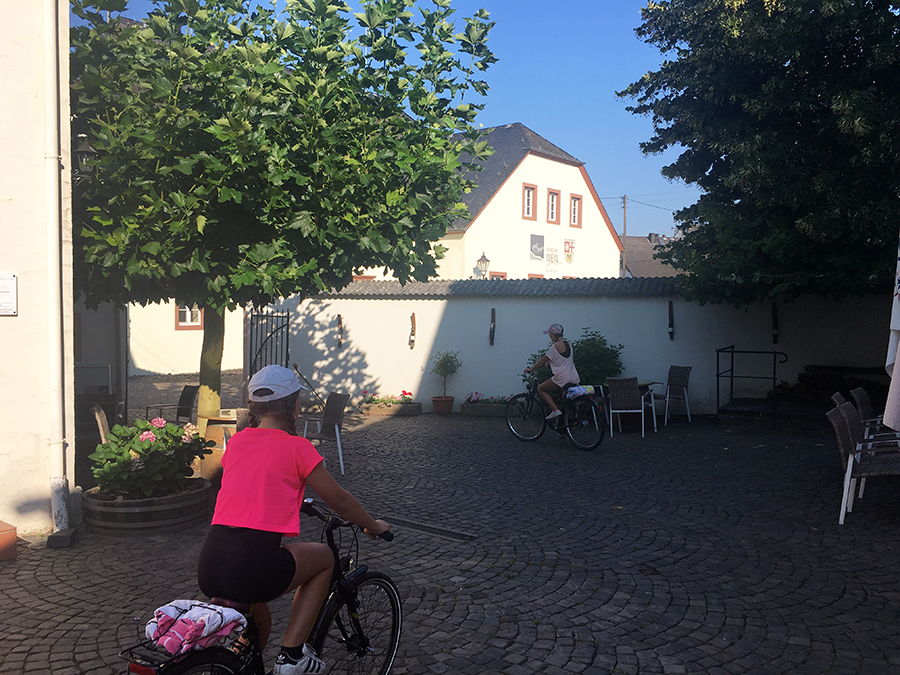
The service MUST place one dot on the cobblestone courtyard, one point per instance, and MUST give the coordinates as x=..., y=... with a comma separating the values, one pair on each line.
x=704, y=548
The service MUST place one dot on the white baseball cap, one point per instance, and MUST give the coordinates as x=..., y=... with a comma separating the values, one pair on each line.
x=272, y=383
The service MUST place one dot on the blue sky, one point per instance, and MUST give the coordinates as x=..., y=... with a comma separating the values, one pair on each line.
x=560, y=64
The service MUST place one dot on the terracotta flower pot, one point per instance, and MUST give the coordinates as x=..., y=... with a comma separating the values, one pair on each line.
x=442, y=404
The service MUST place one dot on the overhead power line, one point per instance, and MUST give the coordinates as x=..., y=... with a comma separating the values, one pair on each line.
x=652, y=206
x=632, y=200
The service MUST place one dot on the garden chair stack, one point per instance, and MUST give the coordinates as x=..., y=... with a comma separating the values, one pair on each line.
x=861, y=457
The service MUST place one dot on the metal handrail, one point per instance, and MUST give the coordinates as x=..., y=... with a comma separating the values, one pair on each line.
x=729, y=372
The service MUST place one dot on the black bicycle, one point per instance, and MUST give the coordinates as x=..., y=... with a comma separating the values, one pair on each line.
x=582, y=418
x=357, y=629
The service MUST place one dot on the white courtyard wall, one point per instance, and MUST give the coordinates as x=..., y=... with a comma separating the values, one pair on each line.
x=377, y=355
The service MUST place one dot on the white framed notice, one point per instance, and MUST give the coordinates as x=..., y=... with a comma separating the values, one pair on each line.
x=9, y=296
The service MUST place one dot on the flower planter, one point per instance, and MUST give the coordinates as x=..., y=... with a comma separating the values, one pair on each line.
x=397, y=409
x=483, y=409
x=442, y=404
x=120, y=516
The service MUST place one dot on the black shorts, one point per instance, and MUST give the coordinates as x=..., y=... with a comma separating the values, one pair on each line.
x=244, y=565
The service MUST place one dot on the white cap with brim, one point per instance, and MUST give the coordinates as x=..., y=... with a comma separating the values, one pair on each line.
x=272, y=383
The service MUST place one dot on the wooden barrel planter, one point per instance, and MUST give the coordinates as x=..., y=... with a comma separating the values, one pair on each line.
x=118, y=516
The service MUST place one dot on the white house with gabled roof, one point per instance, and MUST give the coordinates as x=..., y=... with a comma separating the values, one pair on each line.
x=534, y=214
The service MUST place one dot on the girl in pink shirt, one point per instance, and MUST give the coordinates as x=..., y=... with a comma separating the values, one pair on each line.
x=266, y=469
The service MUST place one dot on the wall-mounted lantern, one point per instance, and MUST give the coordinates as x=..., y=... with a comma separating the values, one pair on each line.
x=483, y=265
x=84, y=154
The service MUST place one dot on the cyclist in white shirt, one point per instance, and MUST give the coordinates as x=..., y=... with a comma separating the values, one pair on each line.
x=560, y=358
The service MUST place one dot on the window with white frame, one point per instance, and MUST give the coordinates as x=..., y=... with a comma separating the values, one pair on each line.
x=553, y=206
x=529, y=201
x=575, y=211
x=189, y=317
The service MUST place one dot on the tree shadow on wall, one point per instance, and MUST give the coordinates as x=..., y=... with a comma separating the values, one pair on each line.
x=324, y=352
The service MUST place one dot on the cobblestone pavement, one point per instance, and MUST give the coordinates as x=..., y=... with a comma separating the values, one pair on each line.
x=704, y=548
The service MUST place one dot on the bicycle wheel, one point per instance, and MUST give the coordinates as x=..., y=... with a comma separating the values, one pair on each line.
x=525, y=417
x=209, y=661
x=585, y=423
x=342, y=648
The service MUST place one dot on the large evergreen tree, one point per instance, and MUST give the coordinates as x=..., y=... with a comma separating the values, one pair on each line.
x=788, y=115
x=246, y=155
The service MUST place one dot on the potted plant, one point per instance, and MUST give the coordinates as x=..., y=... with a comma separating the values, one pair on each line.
x=444, y=365
x=144, y=479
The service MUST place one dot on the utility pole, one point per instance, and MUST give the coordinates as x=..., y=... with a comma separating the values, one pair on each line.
x=624, y=232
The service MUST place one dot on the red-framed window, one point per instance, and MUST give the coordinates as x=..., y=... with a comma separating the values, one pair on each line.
x=188, y=317
x=529, y=201
x=575, y=202
x=553, y=200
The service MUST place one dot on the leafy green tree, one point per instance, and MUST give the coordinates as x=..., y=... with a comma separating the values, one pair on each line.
x=246, y=155
x=786, y=112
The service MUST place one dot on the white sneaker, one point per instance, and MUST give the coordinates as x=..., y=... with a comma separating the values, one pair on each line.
x=308, y=663
x=553, y=415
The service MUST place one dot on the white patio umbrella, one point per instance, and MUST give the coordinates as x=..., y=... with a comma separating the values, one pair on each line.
x=892, y=407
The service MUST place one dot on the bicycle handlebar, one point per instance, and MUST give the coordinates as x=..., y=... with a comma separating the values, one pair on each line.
x=333, y=522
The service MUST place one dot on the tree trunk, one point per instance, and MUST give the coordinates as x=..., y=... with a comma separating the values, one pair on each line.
x=210, y=400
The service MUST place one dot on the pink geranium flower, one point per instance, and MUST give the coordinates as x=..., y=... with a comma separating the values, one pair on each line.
x=158, y=422
x=147, y=436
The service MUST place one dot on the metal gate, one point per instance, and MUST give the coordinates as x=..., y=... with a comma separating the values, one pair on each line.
x=269, y=339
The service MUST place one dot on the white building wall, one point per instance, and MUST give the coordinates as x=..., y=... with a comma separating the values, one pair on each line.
x=35, y=245
x=505, y=237
x=157, y=348
x=376, y=355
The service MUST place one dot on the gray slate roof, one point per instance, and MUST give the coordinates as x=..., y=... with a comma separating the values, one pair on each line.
x=511, y=143
x=444, y=288
x=639, y=256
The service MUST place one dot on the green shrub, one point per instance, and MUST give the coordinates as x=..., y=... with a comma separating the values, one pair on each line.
x=595, y=359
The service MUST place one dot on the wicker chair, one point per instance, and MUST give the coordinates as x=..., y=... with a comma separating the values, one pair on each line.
x=102, y=421
x=870, y=457
x=676, y=389
x=864, y=405
x=183, y=408
x=328, y=426
x=624, y=396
